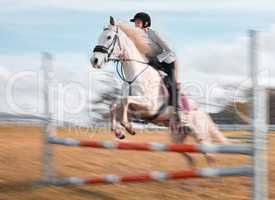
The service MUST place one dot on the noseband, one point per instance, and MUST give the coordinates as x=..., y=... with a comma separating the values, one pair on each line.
x=108, y=50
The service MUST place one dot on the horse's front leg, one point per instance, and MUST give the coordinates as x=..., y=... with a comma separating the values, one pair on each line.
x=135, y=102
x=114, y=109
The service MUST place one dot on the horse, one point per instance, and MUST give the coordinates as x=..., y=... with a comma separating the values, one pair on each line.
x=147, y=98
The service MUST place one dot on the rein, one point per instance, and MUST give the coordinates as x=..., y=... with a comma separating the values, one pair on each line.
x=121, y=74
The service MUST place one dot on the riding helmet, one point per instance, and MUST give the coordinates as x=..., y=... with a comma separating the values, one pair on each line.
x=144, y=17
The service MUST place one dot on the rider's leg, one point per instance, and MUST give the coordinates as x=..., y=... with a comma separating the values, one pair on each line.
x=176, y=98
x=171, y=69
x=176, y=87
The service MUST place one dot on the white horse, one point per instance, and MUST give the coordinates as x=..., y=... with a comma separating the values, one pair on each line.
x=131, y=46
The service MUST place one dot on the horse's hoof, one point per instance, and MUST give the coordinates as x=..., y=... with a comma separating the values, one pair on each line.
x=210, y=160
x=120, y=135
x=129, y=129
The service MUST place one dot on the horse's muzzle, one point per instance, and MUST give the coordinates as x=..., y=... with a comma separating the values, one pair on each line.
x=95, y=62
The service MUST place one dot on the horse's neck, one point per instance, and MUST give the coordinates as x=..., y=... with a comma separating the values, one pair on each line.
x=133, y=68
x=131, y=52
x=147, y=81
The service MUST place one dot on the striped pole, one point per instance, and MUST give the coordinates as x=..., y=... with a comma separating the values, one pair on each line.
x=157, y=176
x=189, y=148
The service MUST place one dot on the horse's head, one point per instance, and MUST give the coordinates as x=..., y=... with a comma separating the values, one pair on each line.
x=108, y=45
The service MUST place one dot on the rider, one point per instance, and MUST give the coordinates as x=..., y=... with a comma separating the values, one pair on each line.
x=166, y=60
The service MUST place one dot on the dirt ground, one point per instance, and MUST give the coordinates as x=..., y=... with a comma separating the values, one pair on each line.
x=20, y=166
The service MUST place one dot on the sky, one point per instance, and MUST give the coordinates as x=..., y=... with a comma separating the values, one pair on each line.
x=208, y=36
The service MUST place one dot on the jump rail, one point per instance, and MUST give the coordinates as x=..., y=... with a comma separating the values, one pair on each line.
x=189, y=148
x=157, y=176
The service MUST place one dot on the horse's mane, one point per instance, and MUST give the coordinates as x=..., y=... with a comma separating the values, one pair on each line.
x=138, y=37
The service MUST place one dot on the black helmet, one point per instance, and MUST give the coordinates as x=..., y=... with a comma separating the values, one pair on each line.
x=144, y=17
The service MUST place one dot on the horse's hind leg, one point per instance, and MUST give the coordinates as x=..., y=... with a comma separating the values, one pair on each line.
x=179, y=135
x=114, y=109
x=216, y=133
x=210, y=158
x=207, y=131
x=190, y=160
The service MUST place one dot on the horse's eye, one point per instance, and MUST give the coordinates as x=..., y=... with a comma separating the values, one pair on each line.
x=109, y=37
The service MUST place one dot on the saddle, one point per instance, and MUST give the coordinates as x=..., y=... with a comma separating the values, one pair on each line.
x=166, y=73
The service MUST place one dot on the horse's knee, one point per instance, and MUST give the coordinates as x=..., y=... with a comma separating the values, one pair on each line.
x=125, y=101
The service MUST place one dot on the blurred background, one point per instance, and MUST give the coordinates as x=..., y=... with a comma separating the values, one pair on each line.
x=209, y=37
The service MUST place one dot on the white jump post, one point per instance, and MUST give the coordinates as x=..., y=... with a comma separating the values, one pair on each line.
x=259, y=114
x=48, y=170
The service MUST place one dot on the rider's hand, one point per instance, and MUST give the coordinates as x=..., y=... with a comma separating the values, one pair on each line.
x=154, y=62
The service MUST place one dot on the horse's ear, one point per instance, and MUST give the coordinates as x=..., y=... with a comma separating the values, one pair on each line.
x=112, y=21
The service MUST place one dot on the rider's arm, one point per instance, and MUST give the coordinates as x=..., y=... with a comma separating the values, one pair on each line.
x=167, y=54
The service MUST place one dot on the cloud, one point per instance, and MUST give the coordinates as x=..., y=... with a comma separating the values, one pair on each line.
x=206, y=69
x=4, y=73
x=225, y=63
x=74, y=83
x=267, y=47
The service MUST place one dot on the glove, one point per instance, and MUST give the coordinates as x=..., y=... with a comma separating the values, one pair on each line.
x=154, y=62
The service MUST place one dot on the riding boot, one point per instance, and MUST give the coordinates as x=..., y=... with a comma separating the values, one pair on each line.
x=177, y=103
x=178, y=107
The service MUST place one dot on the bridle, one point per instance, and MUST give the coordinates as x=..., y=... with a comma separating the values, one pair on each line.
x=109, y=50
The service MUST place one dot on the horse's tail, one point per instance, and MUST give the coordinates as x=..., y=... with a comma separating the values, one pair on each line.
x=208, y=124
x=216, y=133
